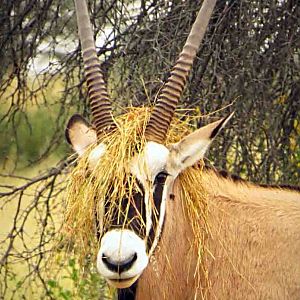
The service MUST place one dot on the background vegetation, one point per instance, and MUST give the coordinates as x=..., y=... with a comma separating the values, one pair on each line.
x=250, y=61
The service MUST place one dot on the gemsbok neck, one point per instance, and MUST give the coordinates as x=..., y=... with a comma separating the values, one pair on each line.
x=246, y=228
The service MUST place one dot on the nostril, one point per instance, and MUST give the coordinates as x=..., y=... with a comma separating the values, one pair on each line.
x=119, y=266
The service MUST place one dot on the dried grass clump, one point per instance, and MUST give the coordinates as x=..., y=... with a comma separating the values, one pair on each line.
x=195, y=199
x=87, y=191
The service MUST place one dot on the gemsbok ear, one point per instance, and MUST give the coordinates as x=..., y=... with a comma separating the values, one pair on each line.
x=193, y=147
x=80, y=134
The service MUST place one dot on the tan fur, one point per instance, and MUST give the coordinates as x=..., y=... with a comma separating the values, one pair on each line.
x=81, y=136
x=253, y=247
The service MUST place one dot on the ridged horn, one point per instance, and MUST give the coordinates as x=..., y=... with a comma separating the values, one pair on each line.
x=169, y=96
x=97, y=91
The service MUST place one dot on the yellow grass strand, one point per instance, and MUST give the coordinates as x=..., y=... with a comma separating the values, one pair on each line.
x=87, y=191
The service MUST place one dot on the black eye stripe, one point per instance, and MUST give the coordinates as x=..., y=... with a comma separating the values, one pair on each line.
x=97, y=224
x=131, y=212
x=159, y=184
x=128, y=212
x=160, y=178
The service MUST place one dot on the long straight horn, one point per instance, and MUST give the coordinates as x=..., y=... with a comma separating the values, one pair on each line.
x=97, y=91
x=163, y=112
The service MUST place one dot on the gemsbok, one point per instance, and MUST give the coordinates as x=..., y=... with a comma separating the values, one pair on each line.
x=166, y=226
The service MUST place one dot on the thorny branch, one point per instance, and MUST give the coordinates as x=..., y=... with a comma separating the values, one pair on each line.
x=36, y=199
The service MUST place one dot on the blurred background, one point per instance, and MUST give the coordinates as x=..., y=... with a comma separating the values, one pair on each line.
x=249, y=62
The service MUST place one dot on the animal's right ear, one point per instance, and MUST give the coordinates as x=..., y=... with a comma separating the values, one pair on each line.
x=193, y=147
x=80, y=134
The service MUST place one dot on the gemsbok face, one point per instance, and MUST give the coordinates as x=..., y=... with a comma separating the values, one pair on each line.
x=134, y=219
x=130, y=222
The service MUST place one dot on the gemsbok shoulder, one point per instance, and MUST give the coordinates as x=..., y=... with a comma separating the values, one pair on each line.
x=165, y=226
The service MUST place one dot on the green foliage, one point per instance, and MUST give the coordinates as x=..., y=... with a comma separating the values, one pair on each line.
x=89, y=287
x=26, y=142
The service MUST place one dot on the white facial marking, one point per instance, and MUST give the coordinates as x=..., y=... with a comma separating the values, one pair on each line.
x=162, y=213
x=95, y=155
x=118, y=245
x=156, y=156
x=148, y=212
x=145, y=167
x=152, y=161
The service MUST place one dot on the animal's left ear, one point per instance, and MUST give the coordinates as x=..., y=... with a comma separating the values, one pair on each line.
x=193, y=147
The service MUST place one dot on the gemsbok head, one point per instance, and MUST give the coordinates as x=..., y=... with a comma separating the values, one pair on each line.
x=167, y=227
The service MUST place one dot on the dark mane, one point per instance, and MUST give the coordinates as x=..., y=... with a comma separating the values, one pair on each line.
x=235, y=178
x=282, y=186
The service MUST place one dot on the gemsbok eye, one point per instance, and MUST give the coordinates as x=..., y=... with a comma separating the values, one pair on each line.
x=161, y=177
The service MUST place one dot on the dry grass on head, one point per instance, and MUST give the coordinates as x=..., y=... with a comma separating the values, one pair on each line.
x=86, y=192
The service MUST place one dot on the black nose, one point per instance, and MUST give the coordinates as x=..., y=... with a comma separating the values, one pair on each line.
x=119, y=266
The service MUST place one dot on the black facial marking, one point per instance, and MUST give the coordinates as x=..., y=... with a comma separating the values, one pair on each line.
x=98, y=229
x=159, y=183
x=160, y=178
x=138, y=147
x=131, y=213
x=127, y=213
x=127, y=294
